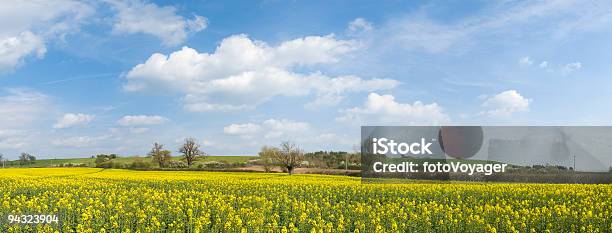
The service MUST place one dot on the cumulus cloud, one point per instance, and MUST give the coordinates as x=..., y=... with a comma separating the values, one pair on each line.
x=198, y=23
x=243, y=73
x=136, y=16
x=73, y=119
x=139, y=120
x=506, y=103
x=46, y=18
x=26, y=25
x=330, y=92
x=13, y=50
x=360, y=25
x=384, y=109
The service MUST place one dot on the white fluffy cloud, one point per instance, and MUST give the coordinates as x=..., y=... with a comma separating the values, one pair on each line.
x=330, y=92
x=139, y=120
x=383, y=109
x=13, y=50
x=136, y=16
x=26, y=25
x=360, y=25
x=506, y=103
x=73, y=119
x=243, y=73
x=48, y=18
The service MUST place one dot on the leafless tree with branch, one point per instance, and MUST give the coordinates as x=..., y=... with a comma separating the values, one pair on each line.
x=191, y=150
x=289, y=156
x=159, y=155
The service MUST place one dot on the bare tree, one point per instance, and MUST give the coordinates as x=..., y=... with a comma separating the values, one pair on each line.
x=159, y=155
x=2, y=160
x=191, y=150
x=267, y=157
x=157, y=148
x=24, y=158
x=289, y=156
x=166, y=156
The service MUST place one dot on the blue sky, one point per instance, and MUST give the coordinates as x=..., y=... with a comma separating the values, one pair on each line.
x=84, y=77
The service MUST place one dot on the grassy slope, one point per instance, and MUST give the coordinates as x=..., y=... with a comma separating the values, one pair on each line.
x=91, y=162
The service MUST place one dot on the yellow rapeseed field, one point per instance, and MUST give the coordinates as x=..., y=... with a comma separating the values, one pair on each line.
x=95, y=200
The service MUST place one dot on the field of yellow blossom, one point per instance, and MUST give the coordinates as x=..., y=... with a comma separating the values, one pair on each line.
x=96, y=200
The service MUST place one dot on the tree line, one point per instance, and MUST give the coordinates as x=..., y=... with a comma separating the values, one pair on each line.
x=24, y=159
x=287, y=156
x=190, y=150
